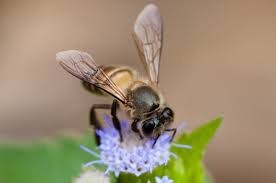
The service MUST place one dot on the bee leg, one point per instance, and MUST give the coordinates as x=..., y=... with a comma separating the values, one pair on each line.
x=171, y=130
x=115, y=119
x=94, y=121
x=135, y=129
x=155, y=140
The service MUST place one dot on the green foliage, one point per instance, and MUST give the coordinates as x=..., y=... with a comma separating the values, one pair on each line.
x=45, y=161
x=188, y=167
x=60, y=161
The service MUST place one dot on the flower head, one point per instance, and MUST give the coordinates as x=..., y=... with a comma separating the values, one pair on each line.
x=92, y=176
x=133, y=155
x=164, y=179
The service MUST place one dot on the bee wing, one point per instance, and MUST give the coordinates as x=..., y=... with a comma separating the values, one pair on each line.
x=148, y=35
x=82, y=66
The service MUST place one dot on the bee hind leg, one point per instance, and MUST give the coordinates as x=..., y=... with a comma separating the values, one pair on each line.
x=94, y=121
x=115, y=119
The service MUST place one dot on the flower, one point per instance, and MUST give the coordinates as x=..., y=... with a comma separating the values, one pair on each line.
x=164, y=179
x=92, y=176
x=133, y=155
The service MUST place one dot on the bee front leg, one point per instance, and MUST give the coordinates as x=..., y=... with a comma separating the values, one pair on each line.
x=135, y=128
x=115, y=119
x=94, y=121
x=155, y=140
x=171, y=130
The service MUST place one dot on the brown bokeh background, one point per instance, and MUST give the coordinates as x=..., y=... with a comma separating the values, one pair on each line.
x=219, y=58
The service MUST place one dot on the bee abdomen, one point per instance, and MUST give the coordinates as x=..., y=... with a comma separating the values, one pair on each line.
x=122, y=76
x=91, y=88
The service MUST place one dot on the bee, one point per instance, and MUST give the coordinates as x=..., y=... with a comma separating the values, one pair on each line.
x=140, y=97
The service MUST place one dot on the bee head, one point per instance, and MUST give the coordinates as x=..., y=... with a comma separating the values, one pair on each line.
x=157, y=124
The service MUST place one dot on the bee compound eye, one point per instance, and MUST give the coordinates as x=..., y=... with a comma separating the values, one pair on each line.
x=148, y=127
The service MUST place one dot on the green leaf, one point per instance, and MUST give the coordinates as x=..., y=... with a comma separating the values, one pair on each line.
x=58, y=161
x=199, y=140
x=188, y=167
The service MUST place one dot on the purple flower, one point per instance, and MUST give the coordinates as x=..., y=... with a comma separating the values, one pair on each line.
x=164, y=179
x=92, y=176
x=133, y=155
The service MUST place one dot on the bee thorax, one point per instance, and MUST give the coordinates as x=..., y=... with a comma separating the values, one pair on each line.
x=144, y=99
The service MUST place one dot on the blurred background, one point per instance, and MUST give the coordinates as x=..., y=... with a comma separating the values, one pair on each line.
x=218, y=59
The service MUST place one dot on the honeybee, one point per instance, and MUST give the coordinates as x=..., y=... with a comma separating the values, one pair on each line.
x=139, y=97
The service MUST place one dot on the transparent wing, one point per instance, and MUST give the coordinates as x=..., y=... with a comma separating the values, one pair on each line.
x=148, y=35
x=82, y=66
